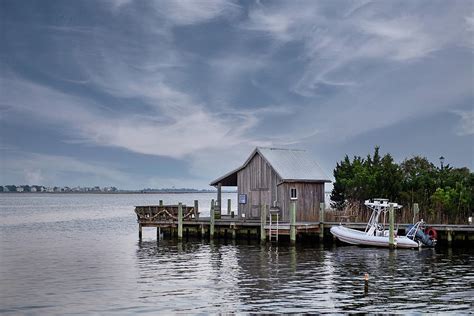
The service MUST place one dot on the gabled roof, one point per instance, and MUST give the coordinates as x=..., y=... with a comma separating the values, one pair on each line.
x=291, y=165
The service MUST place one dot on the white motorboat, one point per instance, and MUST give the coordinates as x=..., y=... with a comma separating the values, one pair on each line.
x=375, y=233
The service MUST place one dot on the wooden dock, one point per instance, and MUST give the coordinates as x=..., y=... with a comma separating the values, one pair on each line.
x=181, y=221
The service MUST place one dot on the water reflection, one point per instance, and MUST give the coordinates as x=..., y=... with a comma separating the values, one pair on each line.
x=240, y=277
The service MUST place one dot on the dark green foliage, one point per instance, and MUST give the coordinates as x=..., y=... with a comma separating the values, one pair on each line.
x=442, y=192
x=361, y=179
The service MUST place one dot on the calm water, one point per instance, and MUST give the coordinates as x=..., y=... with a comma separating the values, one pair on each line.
x=80, y=254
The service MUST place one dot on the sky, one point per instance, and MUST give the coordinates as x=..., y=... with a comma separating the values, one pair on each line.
x=156, y=94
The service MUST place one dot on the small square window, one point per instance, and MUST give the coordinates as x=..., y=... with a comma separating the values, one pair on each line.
x=293, y=194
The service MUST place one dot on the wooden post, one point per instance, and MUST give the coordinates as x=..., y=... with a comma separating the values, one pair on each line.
x=158, y=233
x=449, y=233
x=391, y=231
x=229, y=205
x=234, y=233
x=140, y=232
x=293, y=222
x=196, y=209
x=203, y=231
x=321, y=221
x=213, y=219
x=180, y=220
x=416, y=212
x=263, y=221
x=218, y=208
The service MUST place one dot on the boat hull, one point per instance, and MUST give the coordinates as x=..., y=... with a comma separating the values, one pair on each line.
x=357, y=237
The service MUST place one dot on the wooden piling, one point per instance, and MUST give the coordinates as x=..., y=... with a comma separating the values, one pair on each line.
x=263, y=221
x=391, y=231
x=449, y=235
x=213, y=220
x=234, y=232
x=293, y=222
x=416, y=212
x=180, y=220
x=229, y=205
x=158, y=233
x=218, y=206
x=196, y=209
x=140, y=232
x=203, y=231
x=321, y=221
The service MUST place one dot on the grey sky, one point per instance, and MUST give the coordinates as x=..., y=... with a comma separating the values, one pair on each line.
x=175, y=93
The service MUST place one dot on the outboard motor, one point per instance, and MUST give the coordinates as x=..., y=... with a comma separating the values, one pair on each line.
x=420, y=236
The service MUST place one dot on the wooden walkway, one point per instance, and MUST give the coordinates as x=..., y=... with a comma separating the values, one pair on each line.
x=228, y=227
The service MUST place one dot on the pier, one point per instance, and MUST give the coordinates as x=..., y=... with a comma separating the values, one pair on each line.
x=182, y=221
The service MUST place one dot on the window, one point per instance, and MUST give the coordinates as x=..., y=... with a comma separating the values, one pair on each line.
x=293, y=194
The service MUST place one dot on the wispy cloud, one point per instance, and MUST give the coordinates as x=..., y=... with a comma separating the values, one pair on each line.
x=46, y=169
x=178, y=129
x=466, y=124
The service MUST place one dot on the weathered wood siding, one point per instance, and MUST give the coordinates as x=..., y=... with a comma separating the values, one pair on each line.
x=259, y=181
x=263, y=186
x=307, y=205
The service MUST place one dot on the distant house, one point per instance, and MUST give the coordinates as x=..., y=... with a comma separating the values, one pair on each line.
x=19, y=189
x=276, y=177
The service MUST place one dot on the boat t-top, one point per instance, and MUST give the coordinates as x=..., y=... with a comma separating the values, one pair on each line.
x=375, y=233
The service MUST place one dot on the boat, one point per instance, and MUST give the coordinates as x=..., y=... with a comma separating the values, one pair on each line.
x=375, y=233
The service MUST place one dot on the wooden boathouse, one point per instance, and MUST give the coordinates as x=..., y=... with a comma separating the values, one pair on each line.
x=275, y=177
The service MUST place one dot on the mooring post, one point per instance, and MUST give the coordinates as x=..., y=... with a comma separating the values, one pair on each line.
x=140, y=232
x=180, y=220
x=263, y=222
x=321, y=221
x=213, y=219
x=293, y=222
x=449, y=233
x=416, y=212
x=391, y=231
x=196, y=209
x=218, y=206
x=229, y=205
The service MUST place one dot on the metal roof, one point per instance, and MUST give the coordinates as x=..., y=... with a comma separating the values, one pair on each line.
x=291, y=165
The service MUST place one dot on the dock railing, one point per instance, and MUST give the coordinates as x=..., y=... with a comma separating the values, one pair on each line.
x=153, y=213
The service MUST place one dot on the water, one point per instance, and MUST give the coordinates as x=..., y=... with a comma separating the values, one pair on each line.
x=77, y=254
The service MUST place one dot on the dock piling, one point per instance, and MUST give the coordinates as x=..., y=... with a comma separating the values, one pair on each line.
x=449, y=237
x=293, y=222
x=213, y=220
x=391, y=231
x=196, y=209
x=416, y=212
x=263, y=221
x=321, y=221
x=180, y=220
x=229, y=205
x=140, y=229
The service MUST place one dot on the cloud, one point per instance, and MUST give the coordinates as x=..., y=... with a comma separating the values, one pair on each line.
x=48, y=169
x=177, y=129
x=466, y=124
x=183, y=12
